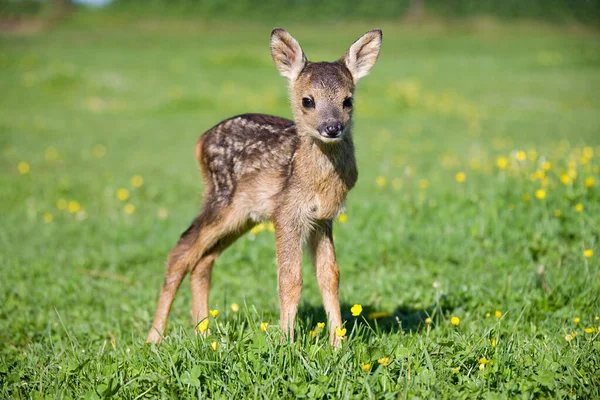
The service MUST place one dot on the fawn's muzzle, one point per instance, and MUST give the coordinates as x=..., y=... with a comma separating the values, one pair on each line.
x=331, y=129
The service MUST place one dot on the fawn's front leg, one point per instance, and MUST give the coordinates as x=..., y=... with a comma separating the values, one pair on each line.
x=289, y=272
x=328, y=276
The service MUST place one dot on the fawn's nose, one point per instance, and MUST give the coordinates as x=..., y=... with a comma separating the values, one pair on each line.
x=331, y=129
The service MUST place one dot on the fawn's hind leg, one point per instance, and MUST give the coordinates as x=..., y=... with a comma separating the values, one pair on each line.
x=201, y=273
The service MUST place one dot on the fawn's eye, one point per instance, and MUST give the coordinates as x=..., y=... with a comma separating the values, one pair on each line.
x=348, y=102
x=307, y=102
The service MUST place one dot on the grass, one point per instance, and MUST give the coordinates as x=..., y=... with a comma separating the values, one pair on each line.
x=515, y=108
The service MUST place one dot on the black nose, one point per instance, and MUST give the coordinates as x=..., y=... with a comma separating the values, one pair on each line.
x=332, y=129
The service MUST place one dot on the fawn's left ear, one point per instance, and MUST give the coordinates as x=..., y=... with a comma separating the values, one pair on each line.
x=363, y=53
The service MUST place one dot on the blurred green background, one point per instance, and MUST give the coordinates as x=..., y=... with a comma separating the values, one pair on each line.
x=477, y=137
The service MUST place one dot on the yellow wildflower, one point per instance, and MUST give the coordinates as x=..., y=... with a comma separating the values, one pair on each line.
x=590, y=330
x=264, y=326
x=570, y=336
x=23, y=167
x=129, y=208
x=385, y=361
x=483, y=362
x=487, y=315
x=320, y=325
x=428, y=321
x=258, y=229
x=540, y=194
x=215, y=346
x=137, y=181
x=546, y=166
x=51, y=154
x=564, y=178
x=576, y=320
x=214, y=313
x=312, y=333
x=123, y=194
x=203, y=326
x=73, y=206
x=493, y=342
x=520, y=155
x=356, y=310
x=588, y=253
x=342, y=218
x=460, y=177
x=456, y=370
x=365, y=366
x=588, y=152
x=578, y=207
x=340, y=332
x=589, y=181
x=271, y=227
x=455, y=321
x=47, y=217
x=596, y=318
x=502, y=162
x=381, y=181
x=235, y=307
x=423, y=183
x=498, y=314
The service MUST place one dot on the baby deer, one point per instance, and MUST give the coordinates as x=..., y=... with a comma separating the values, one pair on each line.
x=295, y=173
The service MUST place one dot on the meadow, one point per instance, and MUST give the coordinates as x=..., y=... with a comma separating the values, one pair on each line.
x=471, y=241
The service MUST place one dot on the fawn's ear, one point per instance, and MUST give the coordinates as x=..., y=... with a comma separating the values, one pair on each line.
x=363, y=53
x=287, y=54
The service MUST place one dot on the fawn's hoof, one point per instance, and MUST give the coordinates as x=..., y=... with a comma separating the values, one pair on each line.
x=154, y=337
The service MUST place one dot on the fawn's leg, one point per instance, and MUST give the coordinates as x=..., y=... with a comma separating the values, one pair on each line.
x=289, y=272
x=201, y=273
x=328, y=275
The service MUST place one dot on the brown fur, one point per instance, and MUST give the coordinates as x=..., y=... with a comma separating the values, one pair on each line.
x=295, y=173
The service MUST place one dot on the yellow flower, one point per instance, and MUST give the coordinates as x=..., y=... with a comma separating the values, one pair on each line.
x=385, y=361
x=498, y=314
x=47, y=217
x=340, y=332
x=590, y=330
x=455, y=321
x=579, y=207
x=214, y=313
x=596, y=318
x=483, y=362
x=129, y=208
x=540, y=194
x=493, y=342
x=588, y=253
x=589, y=182
x=521, y=155
x=98, y=151
x=23, y=167
x=320, y=325
x=235, y=307
x=487, y=315
x=423, y=183
x=123, y=194
x=342, y=218
x=365, y=366
x=565, y=179
x=381, y=181
x=576, y=320
x=456, y=370
x=258, y=228
x=312, y=333
x=428, y=321
x=588, y=152
x=570, y=336
x=546, y=166
x=501, y=163
x=557, y=213
x=203, y=326
x=264, y=326
x=137, y=181
x=215, y=345
x=73, y=206
x=461, y=177
x=51, y=154
x=271, y=227
x=356, y=310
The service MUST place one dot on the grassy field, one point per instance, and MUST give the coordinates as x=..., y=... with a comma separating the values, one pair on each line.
x=471, y=241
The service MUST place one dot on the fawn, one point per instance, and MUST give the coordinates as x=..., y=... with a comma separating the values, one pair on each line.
x=295, y=173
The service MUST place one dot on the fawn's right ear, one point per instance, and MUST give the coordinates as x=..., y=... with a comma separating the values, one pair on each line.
x=287, y=54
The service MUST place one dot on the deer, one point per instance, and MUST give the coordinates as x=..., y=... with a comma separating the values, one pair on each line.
x=297, y=174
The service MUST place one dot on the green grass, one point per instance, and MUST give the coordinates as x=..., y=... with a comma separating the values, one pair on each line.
x=117, y=98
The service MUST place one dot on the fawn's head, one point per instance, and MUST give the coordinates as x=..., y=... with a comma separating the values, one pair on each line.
x=321, y=93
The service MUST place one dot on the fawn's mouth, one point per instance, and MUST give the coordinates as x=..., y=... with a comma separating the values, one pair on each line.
x=331, y=138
